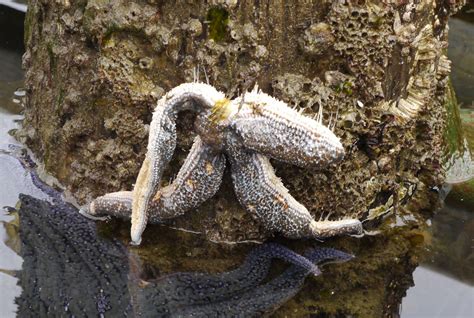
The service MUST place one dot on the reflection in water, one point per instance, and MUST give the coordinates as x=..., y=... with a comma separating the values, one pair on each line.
x=11, y=44
x=66, y=269
x=438, y=296
x=69, y=270
x=234, y=293
x=444, y=283
x=451, y=251
x=12, y=176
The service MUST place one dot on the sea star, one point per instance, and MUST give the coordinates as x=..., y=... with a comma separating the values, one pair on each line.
x=263, y=299
x=237, y=293
x=246, y=130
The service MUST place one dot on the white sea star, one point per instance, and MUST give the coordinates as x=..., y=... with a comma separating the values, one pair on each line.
x=246, y=130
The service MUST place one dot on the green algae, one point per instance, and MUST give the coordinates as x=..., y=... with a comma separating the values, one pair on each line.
x=345, y=88
x=53, y=62
x=453, y=134
x=467, y=119
x=218, y=19
x=462, y=195
x=29, y=24
x=61, y=95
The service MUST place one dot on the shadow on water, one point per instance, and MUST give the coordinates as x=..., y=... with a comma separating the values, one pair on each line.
x=55, y=262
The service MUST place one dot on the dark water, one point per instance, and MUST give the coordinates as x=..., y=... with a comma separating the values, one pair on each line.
x=54, y=261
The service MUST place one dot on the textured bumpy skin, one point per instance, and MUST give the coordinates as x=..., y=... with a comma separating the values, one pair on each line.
x=68, y=270
x=246, y=129
x=98, y=267
x=270, y=127
x=238, y=293
x=161, y=145
x=263, y=194
x=198, y=179
x=265, y=298
x=117, y=204
x=186, y=291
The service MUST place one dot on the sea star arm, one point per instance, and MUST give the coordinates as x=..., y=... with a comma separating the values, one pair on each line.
x=198, y=179
x=263, y=194
x=190, y=289
x=264, y=299
x=161, y=145
x=116, y=204
x=270, y=127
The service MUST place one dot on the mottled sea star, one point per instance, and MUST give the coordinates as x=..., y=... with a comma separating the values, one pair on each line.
x=246, y=130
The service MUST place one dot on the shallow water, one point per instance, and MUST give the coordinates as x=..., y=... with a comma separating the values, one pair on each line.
x=375, y=282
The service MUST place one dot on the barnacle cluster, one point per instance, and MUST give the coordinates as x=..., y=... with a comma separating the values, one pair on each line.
x=354, y=27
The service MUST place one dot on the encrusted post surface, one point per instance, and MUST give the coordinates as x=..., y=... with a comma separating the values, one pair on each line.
x=95, y=70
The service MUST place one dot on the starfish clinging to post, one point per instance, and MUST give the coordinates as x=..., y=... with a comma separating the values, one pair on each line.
x=246, y=130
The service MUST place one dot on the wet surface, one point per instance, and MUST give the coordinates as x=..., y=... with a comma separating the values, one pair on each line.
x=69, y=269
x=53, y=261
x=19, y=5
x=12, y=175
x=445, y=279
